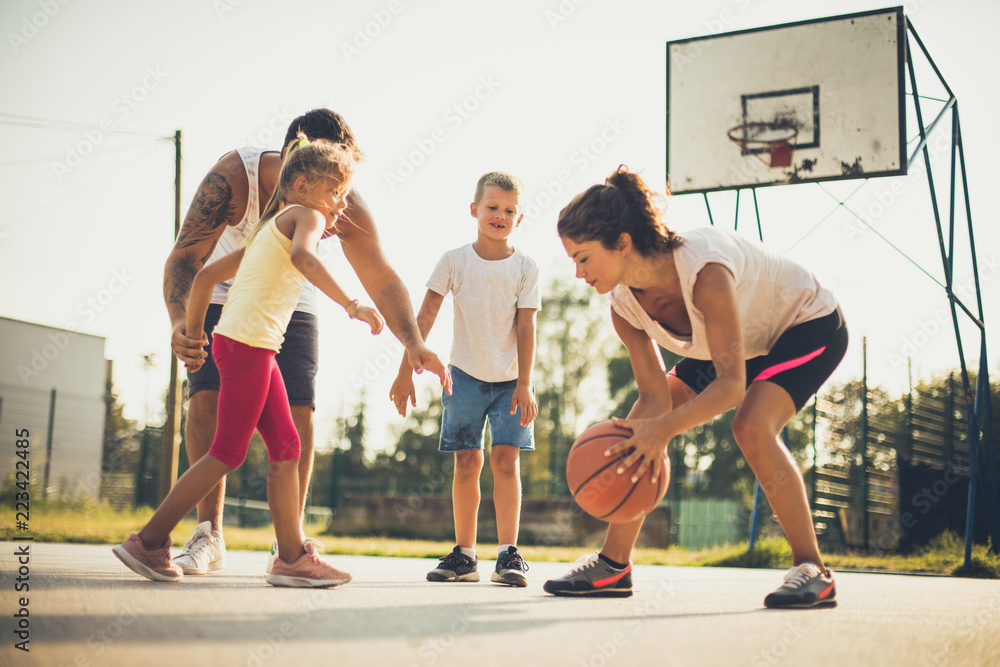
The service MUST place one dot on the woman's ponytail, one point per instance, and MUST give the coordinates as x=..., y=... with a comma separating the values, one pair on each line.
x=624, y=204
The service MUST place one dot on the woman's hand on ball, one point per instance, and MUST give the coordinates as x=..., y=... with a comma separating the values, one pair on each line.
x=648, y=444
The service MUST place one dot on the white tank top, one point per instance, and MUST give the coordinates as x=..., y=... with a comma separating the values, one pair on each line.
x=773, y=293
x=232, y=238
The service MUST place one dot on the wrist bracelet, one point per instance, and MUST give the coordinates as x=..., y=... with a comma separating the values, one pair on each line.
x=357, y=307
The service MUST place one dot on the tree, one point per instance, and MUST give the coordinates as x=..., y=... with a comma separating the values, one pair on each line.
x=119, y=433
x=573, y=331
x=353, y=464
x=416, y=465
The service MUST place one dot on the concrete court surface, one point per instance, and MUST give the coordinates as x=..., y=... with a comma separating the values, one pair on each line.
x=85, y=608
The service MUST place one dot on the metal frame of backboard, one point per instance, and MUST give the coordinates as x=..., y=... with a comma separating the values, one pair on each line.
x=713, y=84
x=983, y=457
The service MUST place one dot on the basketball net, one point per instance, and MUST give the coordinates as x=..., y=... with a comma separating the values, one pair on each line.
x=776, y=140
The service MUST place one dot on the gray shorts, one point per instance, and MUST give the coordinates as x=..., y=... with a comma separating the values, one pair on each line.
x=298, y=359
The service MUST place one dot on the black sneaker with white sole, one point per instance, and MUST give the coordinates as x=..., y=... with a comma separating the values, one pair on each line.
x=510, y=569
x=456, y=566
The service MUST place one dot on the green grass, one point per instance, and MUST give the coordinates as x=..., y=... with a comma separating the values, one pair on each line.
x=87, y=523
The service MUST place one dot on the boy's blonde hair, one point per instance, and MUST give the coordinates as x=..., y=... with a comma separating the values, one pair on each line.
x=502, y=180
x=316, y=160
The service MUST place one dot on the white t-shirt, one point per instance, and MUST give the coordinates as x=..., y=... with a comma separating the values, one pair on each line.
x=773, y=293
x=487, y=295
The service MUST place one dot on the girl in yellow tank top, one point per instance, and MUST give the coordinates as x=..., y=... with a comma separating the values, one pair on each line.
x=268, y=273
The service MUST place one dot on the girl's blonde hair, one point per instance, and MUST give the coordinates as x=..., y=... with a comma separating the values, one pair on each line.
x=317, y=160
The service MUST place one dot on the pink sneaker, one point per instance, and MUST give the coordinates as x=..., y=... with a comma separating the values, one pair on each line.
x=153, y=564
x=309, y=571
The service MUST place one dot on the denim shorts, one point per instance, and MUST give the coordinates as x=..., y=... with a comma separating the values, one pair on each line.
x=466, y=410
x=298, y=359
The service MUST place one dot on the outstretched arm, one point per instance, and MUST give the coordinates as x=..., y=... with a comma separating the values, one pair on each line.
x=309, y=227
x=402, y=389
x=363, y=250
x=220, y=201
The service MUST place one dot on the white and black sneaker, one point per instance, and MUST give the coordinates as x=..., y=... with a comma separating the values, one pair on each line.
x=510, y=569
x=592, y=577
x=805, y=585
x=456, y=566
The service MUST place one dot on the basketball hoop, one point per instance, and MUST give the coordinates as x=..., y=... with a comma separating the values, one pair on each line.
x=774, y=139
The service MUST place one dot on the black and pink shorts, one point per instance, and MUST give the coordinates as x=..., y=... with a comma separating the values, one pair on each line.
x=800, y=362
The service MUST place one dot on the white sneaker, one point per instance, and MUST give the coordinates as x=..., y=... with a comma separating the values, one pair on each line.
x=205, y=552
x=274, y=551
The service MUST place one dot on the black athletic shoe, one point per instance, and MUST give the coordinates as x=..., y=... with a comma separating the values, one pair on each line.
x=456, y=566
x=805, y=585
x=510, y=569
x=592, y=577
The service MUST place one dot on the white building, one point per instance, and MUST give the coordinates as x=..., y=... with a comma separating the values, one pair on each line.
x=58, y=377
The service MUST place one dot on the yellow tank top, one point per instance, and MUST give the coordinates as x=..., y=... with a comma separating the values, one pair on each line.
x=264, y=292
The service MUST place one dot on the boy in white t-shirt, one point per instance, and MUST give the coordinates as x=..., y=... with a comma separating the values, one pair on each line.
x=495, y=288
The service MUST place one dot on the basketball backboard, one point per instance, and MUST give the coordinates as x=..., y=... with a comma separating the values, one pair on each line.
x=795, y=103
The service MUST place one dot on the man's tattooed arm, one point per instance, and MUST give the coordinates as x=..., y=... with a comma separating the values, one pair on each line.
x=210, y=212
x=210, y=209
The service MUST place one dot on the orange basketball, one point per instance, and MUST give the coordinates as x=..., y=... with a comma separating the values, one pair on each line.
x=599, y=489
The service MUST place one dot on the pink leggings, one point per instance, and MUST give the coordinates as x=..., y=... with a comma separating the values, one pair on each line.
x=251, y=396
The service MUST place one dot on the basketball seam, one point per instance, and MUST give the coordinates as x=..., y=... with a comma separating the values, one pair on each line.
x=598, y=472
x=627, y=496
x=602, y=435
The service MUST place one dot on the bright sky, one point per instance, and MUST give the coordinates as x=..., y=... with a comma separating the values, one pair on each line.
x=437, y=92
